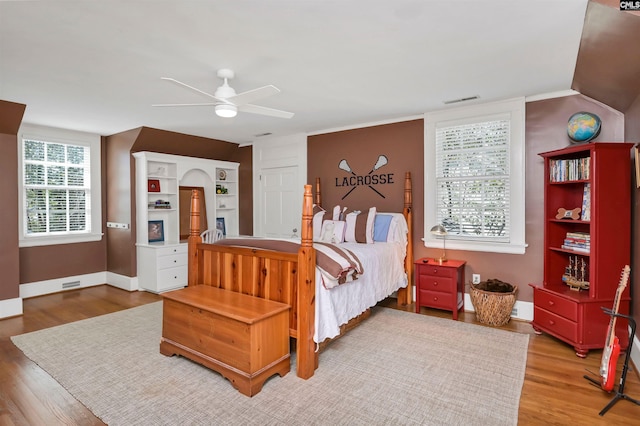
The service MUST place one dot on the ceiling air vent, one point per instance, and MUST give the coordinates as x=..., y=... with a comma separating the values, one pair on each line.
x=455, y=101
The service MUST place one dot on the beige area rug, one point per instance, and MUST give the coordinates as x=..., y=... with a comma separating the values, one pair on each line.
x=395, y=368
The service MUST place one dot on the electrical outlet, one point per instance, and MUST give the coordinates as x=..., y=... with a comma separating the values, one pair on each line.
x=475, y=278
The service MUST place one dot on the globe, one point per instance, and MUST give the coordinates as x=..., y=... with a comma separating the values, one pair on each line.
x=583, y=127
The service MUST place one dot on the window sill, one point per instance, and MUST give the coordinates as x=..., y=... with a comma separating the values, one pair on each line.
x=59, y=239
x=509, y=248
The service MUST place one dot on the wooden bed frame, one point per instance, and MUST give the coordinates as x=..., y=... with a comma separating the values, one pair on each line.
x=283, y=277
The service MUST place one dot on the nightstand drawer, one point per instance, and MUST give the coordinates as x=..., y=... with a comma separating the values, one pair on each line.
x=556, y=304
x=175, y=249
x=172, y=277
x=437, y=271
x=429, y=282
x=171, y=261
x=555, y=324
x=436, y=299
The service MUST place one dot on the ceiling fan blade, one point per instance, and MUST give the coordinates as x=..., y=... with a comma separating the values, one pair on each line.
x=179, y=105
x=255, y=109
x=179, y=83
x=253, y=95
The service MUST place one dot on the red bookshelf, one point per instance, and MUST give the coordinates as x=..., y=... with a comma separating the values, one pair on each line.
x=591, y=249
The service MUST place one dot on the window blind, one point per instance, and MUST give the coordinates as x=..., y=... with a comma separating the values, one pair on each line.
x=472, y=179
x=57, y=187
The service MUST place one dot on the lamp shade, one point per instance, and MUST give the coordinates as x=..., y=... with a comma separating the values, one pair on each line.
x=226, y=110
x=438, y=230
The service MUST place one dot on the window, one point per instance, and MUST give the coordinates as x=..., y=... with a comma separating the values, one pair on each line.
x=474, y=177
x=60, y=193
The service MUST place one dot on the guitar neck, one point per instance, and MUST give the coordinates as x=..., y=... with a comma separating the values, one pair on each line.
x=616, y=306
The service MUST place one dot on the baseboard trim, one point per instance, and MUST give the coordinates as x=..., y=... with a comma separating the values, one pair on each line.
x=635, y=353
x=122, y=281
x=10, y=307
x=40, y=288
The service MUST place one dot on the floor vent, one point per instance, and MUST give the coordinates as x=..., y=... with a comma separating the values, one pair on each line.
x=514, y=312
x=71, y=284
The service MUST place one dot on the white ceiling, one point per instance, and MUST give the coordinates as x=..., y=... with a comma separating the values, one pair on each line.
x=95, y=66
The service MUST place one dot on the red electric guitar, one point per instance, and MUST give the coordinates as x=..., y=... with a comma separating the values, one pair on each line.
x=612, y=348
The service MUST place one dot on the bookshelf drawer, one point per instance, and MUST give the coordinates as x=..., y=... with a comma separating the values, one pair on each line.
x=556, y=304
x=555, y=324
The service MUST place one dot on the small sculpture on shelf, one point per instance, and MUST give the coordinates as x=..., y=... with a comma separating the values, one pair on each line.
x=221, y=190
x=575, y=274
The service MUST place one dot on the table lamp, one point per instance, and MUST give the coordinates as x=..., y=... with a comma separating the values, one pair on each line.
x=441, y=231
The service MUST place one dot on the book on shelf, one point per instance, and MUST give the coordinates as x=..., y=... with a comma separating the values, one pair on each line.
x=577, y=241
x=159, y=204
x=577, y=249
x=568, y=170
x=586, y=202
x=578, y=237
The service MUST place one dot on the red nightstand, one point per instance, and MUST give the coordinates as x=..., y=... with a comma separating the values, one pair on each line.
x=440, y=286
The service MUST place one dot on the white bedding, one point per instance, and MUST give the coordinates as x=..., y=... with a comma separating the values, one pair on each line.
x=383, y=265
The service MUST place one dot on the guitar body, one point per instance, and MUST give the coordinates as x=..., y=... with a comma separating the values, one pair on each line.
x=612, y=345
x=610, y=359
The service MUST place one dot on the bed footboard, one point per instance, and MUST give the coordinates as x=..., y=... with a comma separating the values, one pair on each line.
x=283, y=277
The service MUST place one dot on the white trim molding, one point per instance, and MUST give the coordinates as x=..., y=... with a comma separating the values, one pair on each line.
x=635, y=350
x=40, y=288
x=123, y=282
x=10, y=307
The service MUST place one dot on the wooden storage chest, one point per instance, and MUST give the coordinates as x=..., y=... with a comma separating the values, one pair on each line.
x=244, y=338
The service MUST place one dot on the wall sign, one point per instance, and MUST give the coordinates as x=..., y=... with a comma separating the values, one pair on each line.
x=370, y=179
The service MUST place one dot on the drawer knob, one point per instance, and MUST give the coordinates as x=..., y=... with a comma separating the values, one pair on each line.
x=435, y=283
x=435, y=271
x=552, y=322
x=435, y=299
x=551, y=303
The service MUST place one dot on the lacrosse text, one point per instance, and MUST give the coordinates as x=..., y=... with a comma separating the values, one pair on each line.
x=355, y=180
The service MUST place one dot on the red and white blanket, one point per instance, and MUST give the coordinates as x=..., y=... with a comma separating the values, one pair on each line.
x=337, y=265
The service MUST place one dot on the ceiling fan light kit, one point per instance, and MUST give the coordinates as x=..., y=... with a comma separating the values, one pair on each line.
x=228, y=102
x=226, y=111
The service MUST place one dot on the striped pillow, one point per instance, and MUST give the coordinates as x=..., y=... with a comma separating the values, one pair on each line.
x=360, y=226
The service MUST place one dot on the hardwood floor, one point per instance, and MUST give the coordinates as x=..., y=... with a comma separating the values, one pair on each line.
x=554, y=391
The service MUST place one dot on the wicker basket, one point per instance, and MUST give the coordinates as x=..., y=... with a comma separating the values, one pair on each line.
x=493, y=308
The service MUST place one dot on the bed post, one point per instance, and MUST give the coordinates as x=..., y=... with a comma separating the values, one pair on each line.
x=194, y=238
x=405, y=295
x=305, y=348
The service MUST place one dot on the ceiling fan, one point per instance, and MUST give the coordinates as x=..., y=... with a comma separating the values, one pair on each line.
x=228, y=103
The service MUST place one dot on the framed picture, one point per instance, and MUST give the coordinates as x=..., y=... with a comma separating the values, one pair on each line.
x=220, y=225
x=153, y=185
x=637, y=165
x=156, y=231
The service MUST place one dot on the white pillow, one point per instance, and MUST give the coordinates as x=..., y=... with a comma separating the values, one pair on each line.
x=332, y=231
x=319, y=215
x=338, y=213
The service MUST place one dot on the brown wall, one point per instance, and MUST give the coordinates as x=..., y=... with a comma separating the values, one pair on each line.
x=403, y=144
x=121, y=183
x=121, y=253
x=10, y=118
x=606, y=72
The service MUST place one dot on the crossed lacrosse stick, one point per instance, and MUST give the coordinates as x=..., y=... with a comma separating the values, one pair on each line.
x=344, y=165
